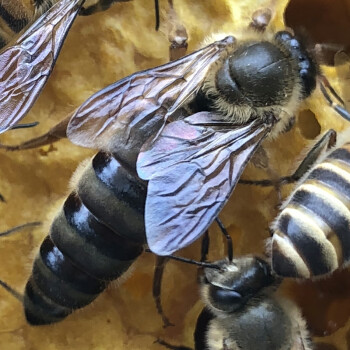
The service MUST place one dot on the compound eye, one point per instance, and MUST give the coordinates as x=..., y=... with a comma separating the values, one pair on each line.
x=224, y=299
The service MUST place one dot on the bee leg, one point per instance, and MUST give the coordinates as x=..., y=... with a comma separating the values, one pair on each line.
x=19, y=228
x=12, y=291
x=55, y=134
x=171, y=347
x=260, y=19
x=205, y=246
x=176, y=34
x=161, y=261
x=228, y=238
x=324, y=84
x=324, y=144
x=24, y=126
x=2, y=198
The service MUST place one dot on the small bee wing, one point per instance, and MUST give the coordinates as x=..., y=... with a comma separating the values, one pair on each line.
x=26, y=63
x=192, y=170
x=132, y=109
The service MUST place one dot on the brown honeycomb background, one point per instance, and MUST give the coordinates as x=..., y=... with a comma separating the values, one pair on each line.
x=100, y=50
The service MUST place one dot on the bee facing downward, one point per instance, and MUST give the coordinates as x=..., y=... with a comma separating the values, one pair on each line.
x=189, y=127
x=242, y=310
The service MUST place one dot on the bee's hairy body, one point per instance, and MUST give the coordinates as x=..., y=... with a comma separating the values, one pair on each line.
x=312, y=233
x=264, y=75
x=94, y=239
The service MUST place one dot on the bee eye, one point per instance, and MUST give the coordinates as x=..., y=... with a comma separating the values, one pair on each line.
x=225, y=299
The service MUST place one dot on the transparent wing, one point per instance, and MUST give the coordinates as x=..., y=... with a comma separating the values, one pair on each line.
x=26, y=63
x=192, y=170
x=127, y=112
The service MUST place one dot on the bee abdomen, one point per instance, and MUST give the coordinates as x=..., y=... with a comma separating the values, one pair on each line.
x=61, y=285
x=82, y=254
x=312, y=234
x=115, y=195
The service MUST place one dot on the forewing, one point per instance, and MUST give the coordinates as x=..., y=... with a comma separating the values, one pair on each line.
x=127, y=112
x=26, y=63
x=192, y=171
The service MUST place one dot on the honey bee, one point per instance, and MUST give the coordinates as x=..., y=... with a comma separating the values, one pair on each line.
x=243, y=311
x=27, y=61
x=189, y=127
x=311, y=235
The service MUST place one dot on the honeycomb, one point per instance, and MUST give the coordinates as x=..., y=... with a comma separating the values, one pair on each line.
x=98, y=51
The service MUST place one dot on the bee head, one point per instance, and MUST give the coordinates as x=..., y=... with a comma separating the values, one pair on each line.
x=229, y=288
x=265, y=73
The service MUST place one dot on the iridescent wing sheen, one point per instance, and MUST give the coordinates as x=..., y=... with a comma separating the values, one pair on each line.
x=192, y=170
x=26, y=63
x=123, y=115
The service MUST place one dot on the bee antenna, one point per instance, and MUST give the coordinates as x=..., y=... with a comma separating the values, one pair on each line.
x=12, y=291
x=19, y=228
x=324, y=85
x=156, y=8
x=189, y=261
x=24, y=126
x=228, y=238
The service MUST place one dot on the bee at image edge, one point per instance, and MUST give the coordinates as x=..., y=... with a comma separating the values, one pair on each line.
x=243, y=311
x=31, y=36
x=15, y=15
x=311, y=235
x=188, y=127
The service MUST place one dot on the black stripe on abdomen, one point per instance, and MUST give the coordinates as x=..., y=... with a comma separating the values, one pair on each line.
x=341, y=154
x=92, y=246
x=338, y=223
x=309, y=248
x=332, y=180
x=15, y=24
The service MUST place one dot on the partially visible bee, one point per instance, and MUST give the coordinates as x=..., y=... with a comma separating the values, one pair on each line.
x=311, y=235
x=15, y=15
x=242, y=310
x=27, y=61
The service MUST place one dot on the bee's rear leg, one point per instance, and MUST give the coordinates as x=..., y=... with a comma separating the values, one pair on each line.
x=171, y=347
x=324, y=144
x=58, y=132
x=161, y=261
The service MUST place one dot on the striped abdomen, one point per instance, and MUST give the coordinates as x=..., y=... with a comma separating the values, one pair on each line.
x=17, y=14
x=311, y=236
x=94, y=239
